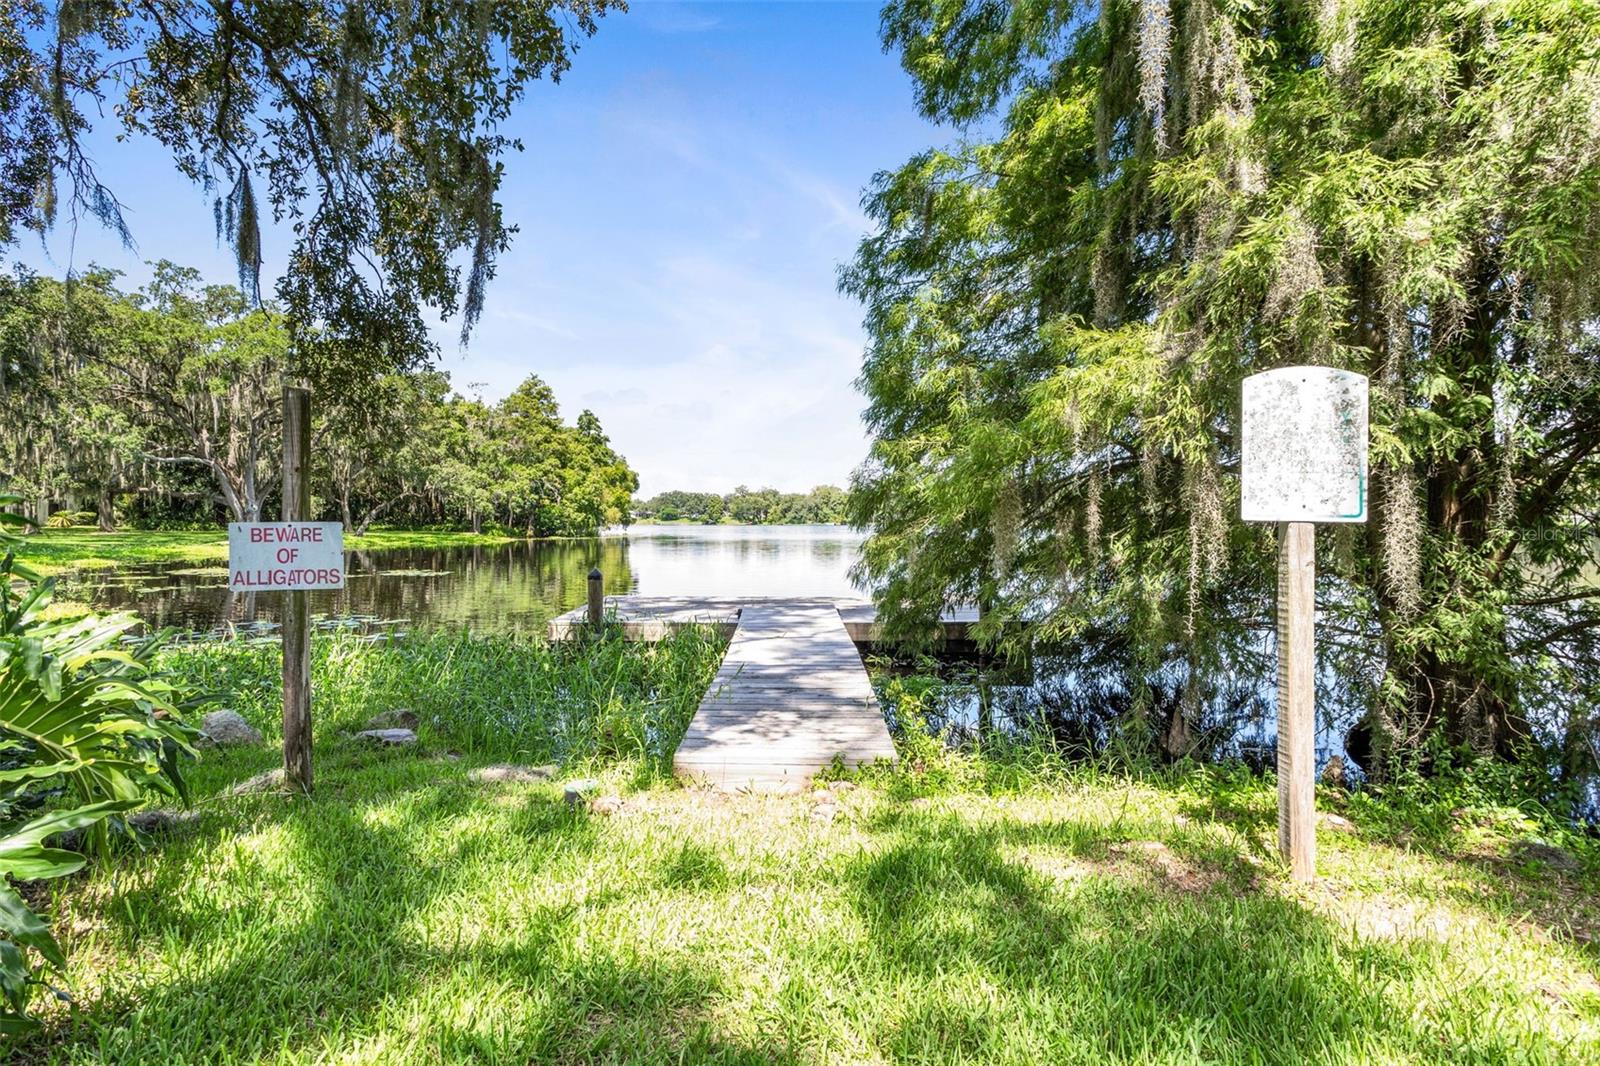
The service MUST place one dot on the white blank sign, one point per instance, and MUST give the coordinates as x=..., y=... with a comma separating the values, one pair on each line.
x=285, y=556
x=1303, y=449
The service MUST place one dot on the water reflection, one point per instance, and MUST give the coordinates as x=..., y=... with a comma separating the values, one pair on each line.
x=743, y=560
x=965, y=698
x=508, y=587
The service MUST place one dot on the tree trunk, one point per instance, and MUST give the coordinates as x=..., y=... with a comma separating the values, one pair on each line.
x=1458, y=696
x=252, y=497
x=1580, y=754
x=229, y=495
x=377, y=509
x=105, y=511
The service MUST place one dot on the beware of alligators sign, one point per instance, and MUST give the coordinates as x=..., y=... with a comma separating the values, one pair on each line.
x=285, y=556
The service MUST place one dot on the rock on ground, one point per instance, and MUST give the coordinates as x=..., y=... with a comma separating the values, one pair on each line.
x=510, y=772
x=606, y=806
x=1336, y=823
x=399, y=718
x=268, y=781
x=163, y=821
x=1558, y=859
x=227, y=729
x=388, y=737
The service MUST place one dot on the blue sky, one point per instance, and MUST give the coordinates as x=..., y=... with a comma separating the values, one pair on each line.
x=685, y=197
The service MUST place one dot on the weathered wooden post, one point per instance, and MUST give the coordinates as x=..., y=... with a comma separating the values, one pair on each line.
x=1297, y=711
x=597, y=601
x=1302, y=460
x=296, y=608
x=292, y=556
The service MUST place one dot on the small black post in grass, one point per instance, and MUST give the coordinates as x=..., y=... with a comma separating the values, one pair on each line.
x=597, y=602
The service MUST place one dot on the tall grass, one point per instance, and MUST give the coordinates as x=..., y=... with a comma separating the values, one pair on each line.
x=579, y=704
x=987, y=900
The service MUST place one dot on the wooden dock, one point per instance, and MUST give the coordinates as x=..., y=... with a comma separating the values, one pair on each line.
x=791, y=695
x=658, y=617
x=653, y=617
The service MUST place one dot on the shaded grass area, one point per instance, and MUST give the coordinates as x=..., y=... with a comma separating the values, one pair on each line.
x=407, y=914
x=57, y=550
x=970, y=906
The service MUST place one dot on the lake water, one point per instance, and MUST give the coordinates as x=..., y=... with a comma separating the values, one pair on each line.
x=516, y=586
x=521, y=585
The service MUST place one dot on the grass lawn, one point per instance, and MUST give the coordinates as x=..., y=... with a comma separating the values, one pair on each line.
x=54, y=550
x=406, y=913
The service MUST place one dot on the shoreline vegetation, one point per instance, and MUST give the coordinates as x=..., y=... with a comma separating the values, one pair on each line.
x=56, y=551
x=527, y=881
x=823, y=505
x=725, y=521
x=128, y=435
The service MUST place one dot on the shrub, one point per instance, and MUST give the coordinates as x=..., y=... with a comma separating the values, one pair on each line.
x=69, y=519
x=85, y=731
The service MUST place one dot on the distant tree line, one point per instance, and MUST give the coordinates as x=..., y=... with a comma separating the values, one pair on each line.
x=823, y=504
x=162, y=407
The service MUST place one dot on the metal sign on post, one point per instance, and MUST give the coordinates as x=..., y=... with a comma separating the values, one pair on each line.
x=1303, y=449
x=285, y=556
x=1302, y=460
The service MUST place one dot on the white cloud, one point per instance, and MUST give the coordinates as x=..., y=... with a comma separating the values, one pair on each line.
x=842, y=210
x=705, y=371
x=748, y=381
x=532, y=321
x=672, y=17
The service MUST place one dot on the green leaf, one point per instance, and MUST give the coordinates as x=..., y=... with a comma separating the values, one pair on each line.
x=34, y=833
x=28, y=773
x=21, y=924
x=14, y=974
x=17, y=1025
x=40, y=863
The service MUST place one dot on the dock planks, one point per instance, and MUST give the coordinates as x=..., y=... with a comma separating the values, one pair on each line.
x=658, y=617
x=792, y=692
x=790, y=696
